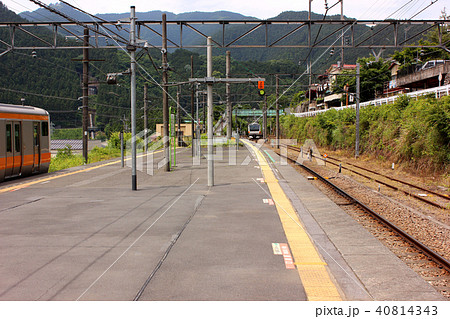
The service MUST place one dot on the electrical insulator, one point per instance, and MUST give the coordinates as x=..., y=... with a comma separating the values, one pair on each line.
x=33, y=54
x=347, y=41
x=111, y=78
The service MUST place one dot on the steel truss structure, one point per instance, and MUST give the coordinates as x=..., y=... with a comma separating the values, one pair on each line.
x=267, y=29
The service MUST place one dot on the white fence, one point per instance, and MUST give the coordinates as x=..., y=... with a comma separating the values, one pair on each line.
x=437, y=91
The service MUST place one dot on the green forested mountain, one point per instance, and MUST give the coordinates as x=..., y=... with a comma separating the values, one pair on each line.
x=52, y=80
x=257, y=37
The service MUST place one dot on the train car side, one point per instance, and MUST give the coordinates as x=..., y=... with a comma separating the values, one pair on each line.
x=24, y=141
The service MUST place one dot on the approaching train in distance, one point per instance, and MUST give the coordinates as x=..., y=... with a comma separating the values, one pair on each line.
x=254, y=130
x=24, y=141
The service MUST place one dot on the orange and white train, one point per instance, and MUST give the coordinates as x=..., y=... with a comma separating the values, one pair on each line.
x=24, y=141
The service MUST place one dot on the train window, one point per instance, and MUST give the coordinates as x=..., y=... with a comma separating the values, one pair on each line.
x=8, y=138
x=17, y=137
x=44, y=130
x=36, y=134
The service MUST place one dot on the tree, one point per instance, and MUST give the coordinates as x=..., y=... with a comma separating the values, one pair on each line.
x=373, y=75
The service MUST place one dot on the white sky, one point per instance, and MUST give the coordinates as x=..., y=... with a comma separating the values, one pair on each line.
x=262, y=9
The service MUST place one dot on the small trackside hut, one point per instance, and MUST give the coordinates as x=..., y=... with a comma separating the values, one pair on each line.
x=24, y=141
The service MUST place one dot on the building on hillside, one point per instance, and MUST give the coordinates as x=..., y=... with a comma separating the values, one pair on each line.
x=328, y=81
x=431, y=74
x=390, y=88
x=321, y=93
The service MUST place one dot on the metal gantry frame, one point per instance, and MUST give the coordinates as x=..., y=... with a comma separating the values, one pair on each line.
x=272, y=39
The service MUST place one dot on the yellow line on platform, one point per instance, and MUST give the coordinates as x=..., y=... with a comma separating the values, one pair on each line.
x=19, y=186
x=311, y=268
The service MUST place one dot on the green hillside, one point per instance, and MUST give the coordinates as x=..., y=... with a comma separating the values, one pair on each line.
x=52, y=80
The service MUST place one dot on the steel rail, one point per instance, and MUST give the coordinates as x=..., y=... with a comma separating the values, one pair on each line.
x=419, y=245
x=444, y=196
x=386, y=184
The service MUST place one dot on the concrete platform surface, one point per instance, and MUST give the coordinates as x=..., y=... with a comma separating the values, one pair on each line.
x=83, y=234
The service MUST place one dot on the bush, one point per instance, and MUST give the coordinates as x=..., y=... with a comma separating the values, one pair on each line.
x=65, y=159
x=414, y=131
x=114, y=140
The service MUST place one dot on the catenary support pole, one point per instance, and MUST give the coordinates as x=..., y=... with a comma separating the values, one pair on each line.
x=358, y=90
x=265, y=118
x=342, y=35
x=277, y=118
x=165, y=93
x=85, y=97
x=178, y=118
x=210, y=114
x=193, y=135
x=145, y=116
x=132, y=50
x=228, y=92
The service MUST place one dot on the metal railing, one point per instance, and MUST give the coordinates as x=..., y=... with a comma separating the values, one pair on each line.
x=438, y=92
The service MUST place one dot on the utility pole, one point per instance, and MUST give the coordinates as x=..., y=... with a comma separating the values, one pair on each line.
x=228, y=91
x=165, y=93
x=132, y=50
x=277, y=118
x=85, y=93
x=145, y=116
x=192, y=107
x=358, y=90
x=210, y=113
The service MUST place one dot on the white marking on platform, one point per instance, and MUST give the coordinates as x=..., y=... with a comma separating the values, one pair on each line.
x=276, y=249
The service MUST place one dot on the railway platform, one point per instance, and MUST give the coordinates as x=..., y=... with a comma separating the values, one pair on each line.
x=262, y=232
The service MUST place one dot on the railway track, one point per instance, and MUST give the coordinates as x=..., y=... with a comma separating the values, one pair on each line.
x=444, y=202
x=421, y=247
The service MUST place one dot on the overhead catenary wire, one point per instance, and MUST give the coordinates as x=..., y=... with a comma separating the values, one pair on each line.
x=30, y=10
x=137, y=63
x=59, y=98
x=326, y=50
x=140, y=66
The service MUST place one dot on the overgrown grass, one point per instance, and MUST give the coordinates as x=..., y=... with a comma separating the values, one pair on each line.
x=413, y=131
x=66, y=159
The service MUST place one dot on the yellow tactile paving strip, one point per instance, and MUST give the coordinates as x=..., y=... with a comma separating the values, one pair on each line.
x=311, y=268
